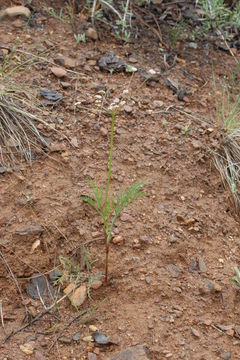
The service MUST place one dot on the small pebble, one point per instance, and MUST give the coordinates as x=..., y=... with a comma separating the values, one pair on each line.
x=65, y=340
x=128, y=109
x=117, y=240
x=93, y=328
x=88, y=338
x=148, y=280
x=92, y=34
x=196, y=333
x=76, y=336
x=103, y=131
x=227, y=355
x=96, y=284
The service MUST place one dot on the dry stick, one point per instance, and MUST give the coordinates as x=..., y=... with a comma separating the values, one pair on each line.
x=2, y=319
x=153, y=30
x=229, y=49
x=14, y=279
x=65, y=327
x=37, y=317
x=75, y=98
x=49, y=61
x=93, y=11
x=159, y=30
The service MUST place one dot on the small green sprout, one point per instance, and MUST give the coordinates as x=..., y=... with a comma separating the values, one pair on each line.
x=80, y=38
x=236, y=278
x=109, y=208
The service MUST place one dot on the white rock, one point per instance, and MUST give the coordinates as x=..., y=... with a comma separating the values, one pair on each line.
x=93, y=328
x=27, y=348
x=88, y=338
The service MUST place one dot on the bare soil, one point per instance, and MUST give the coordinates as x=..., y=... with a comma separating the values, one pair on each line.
x=177, y=242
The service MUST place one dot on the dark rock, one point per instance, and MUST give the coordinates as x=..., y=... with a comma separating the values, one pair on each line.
x=2, y=170
x=111, y=63
x=55, y=275
x=39, y=287
x=100, y=338
x=52, y=97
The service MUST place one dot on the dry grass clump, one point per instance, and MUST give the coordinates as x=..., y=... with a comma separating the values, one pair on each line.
x=227, y=157
x=20, y=116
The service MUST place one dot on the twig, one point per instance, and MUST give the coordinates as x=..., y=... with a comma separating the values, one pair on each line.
x=112, y=8
x=229, y=49
x=156, y=32
x=93, y=11
x=65, y=327
x=14, y=280
x=41, y=299
x=37, y=317
x=2, y=319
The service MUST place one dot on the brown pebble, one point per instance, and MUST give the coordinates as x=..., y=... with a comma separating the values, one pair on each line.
x=96, y=285
x=103, y=131
x=117, y=240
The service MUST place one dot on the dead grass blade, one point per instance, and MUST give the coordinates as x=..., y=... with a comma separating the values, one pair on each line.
x=227, y=161
x=19, y=134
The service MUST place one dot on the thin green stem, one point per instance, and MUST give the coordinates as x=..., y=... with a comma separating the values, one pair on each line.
x=106, y=261
x=109, y=165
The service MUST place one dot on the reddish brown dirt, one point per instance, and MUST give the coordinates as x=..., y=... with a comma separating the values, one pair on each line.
x=186, y=215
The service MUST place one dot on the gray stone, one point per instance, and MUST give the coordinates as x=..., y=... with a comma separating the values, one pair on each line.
x=201, y=265
x=54, y=275
x=65, y=340
x=227, y=355
x=76, y=336
x=92, y=356
x=138, y=352
x=172, y=239
x=193, y=266
x=148, y=280
x=100, y=338
x=174, y=270
x=39, y=288
x=30, y=230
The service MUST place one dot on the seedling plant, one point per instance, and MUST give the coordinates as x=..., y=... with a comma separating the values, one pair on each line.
x=236, y=278
x=106, y=206
x=80, y=38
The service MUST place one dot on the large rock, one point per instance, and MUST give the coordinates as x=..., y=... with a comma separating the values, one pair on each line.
x=138, y=352
x=79, y=296
x=15, y=11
